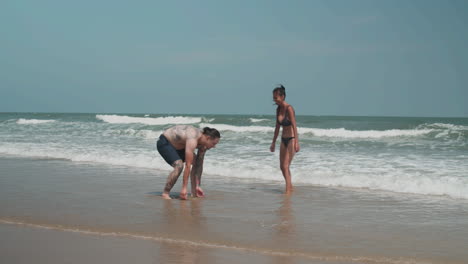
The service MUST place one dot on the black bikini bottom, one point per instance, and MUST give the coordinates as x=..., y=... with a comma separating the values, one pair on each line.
x=286, y=140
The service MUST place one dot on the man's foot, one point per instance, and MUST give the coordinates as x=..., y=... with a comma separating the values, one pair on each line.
x=166, y=196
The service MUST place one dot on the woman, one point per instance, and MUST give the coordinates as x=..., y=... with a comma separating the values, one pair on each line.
x=286, y=118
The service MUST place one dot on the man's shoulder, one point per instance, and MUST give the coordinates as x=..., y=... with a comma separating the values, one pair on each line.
x=182, y=128
x=192, y=132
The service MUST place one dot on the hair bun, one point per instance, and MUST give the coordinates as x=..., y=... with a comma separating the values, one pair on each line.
x=280, y=90
x=212, y=132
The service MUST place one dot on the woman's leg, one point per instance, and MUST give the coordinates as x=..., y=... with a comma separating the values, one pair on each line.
x=286, y=156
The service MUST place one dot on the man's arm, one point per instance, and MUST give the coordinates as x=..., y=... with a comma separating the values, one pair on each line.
x=197, y=170
x=190, y=146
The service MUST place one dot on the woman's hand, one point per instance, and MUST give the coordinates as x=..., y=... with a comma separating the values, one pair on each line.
x=272, y=147
x=296, y=145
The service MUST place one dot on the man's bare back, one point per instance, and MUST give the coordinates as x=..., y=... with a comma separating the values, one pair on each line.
x=178, y=135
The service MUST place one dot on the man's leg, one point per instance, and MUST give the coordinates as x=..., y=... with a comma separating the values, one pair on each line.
x=172, y=178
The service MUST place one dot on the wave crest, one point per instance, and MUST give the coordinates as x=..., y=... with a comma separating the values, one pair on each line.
x=23, y=121
x=224, y=127
x=118, y=119
x=332, y=132
x=372, y=134
x=256, y=120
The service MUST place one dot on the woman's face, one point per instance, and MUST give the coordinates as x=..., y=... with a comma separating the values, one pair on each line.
x=277, y=98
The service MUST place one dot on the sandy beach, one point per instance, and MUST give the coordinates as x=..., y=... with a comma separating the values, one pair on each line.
x=91, y=213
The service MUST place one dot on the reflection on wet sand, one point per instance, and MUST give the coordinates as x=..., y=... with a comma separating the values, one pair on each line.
x=184, y=220
x=285, y=228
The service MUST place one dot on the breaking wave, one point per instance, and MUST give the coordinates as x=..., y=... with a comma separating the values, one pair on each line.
x=118, y=119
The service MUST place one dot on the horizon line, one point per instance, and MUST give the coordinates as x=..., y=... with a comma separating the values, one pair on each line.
x=229, y=114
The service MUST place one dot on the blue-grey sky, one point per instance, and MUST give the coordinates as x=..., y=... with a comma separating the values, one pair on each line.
x=373, y=58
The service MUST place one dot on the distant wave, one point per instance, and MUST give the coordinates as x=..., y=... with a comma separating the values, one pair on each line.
x=344, y=133
x=118, y=119
x=334, y=132
x=224, y=127
x=23, y=121
x=443, y=126
x=255, y=120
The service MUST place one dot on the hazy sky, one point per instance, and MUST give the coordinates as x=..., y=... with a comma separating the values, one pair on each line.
x=349, y=57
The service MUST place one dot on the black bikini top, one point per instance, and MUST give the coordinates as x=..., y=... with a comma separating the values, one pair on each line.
x=285, y=121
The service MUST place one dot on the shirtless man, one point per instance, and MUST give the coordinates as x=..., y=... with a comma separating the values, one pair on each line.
x=177, y=145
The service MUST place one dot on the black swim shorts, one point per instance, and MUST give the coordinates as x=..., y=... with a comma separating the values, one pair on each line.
x=168, y=152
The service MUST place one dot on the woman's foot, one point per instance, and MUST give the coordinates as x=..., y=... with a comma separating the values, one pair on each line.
x=289, y=190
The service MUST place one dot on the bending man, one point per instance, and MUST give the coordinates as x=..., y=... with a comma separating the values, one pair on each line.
x=177, y=145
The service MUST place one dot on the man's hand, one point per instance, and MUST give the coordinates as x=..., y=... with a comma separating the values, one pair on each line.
x=183, y=194
x=200, y=192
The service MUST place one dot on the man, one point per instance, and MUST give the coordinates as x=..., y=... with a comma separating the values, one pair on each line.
x=177, y=145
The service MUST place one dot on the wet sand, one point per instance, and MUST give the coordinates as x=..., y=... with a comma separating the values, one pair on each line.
x=34, y=244
x=106, y=214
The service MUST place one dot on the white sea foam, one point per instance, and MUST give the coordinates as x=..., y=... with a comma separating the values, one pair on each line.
x=364, y=175
x=398, y=181
x=443, y=126
x=143, y=159
x=372, y=134
x=209, y=120
x=332, y=133
x=256, y=120
x=407, y=174
x=118, y=119
x=23, y=121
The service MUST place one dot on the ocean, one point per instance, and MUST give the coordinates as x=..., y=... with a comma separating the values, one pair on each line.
x=367, y=190
x=404, y=155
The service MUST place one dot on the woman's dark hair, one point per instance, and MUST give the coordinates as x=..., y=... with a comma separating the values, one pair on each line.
x=280, y=90
x=211, y=132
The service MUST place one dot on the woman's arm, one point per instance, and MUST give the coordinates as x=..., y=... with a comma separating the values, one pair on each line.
x=275, y=136
x=292, y=115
